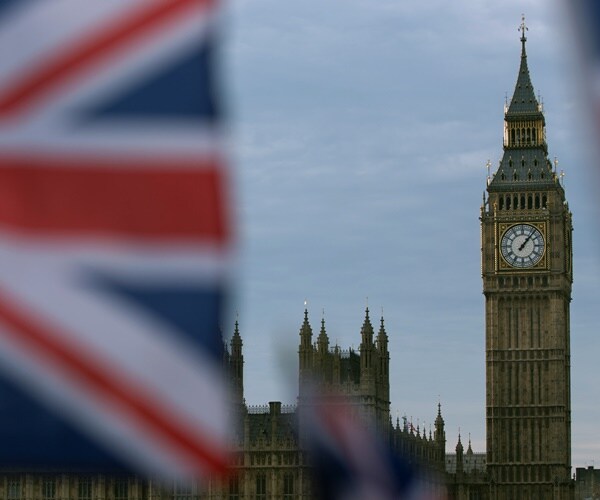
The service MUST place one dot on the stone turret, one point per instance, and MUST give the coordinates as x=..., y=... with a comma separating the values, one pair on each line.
x=367, y=354
x=439, y=435
x=236, y=365
x=305, y=353
x=459, y=456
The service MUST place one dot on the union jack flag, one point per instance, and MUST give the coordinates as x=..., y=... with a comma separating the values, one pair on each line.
x=115, y=237
x=351, y=461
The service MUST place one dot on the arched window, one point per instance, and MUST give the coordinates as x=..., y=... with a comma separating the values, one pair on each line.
x=537, y=201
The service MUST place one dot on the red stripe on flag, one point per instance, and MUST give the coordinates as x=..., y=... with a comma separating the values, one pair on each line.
x=104, y=381
x=131, y=199
x=81, y=54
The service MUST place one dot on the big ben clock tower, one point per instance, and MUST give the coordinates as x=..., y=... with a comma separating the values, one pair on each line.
x=527, y=275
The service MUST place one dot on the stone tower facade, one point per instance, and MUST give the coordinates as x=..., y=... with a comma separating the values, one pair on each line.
x=527, y=276
x=362, y=377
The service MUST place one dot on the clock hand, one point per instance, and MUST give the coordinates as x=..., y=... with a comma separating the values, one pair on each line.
x=525, y=242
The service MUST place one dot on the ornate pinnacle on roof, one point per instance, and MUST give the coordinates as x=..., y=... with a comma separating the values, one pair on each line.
x=323, y=340
x=459, y=446
x=305, y=329
x=367, y=329
x=382, y=332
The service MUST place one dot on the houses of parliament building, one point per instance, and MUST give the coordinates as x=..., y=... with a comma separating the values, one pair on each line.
x=527, y=275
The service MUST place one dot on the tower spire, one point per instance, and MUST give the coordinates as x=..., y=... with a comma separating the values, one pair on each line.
x=525, y=160
x=523, y=99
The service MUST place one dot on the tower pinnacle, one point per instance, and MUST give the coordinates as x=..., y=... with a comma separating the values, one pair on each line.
x=523, y=28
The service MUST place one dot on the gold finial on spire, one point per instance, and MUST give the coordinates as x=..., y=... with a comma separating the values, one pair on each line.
x=523, y=28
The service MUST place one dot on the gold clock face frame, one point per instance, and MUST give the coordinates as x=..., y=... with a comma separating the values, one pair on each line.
x=522, y=246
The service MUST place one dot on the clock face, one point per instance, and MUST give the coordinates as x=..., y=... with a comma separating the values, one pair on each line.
x=522, y=245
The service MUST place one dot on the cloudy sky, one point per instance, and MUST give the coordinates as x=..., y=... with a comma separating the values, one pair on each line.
x=361, y=134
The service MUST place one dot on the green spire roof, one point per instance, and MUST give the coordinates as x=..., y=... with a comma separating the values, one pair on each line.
x=523, y=100
x=525, y=163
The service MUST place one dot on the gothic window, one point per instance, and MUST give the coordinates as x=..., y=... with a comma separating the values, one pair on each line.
x=512, y=136
x=84, y=488
x=537, y=201
x=515, y=176
x=522, y=201
x=13, y=489
x=544, y=201
x=288, y=486
x=183, y=491
x=234, y=488
x=261, y=486
x=121, y=489
x=48, y=488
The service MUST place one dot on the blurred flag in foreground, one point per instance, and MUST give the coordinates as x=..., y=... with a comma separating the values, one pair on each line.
x=352, y=462
x=585, y=16
x=115, y=237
